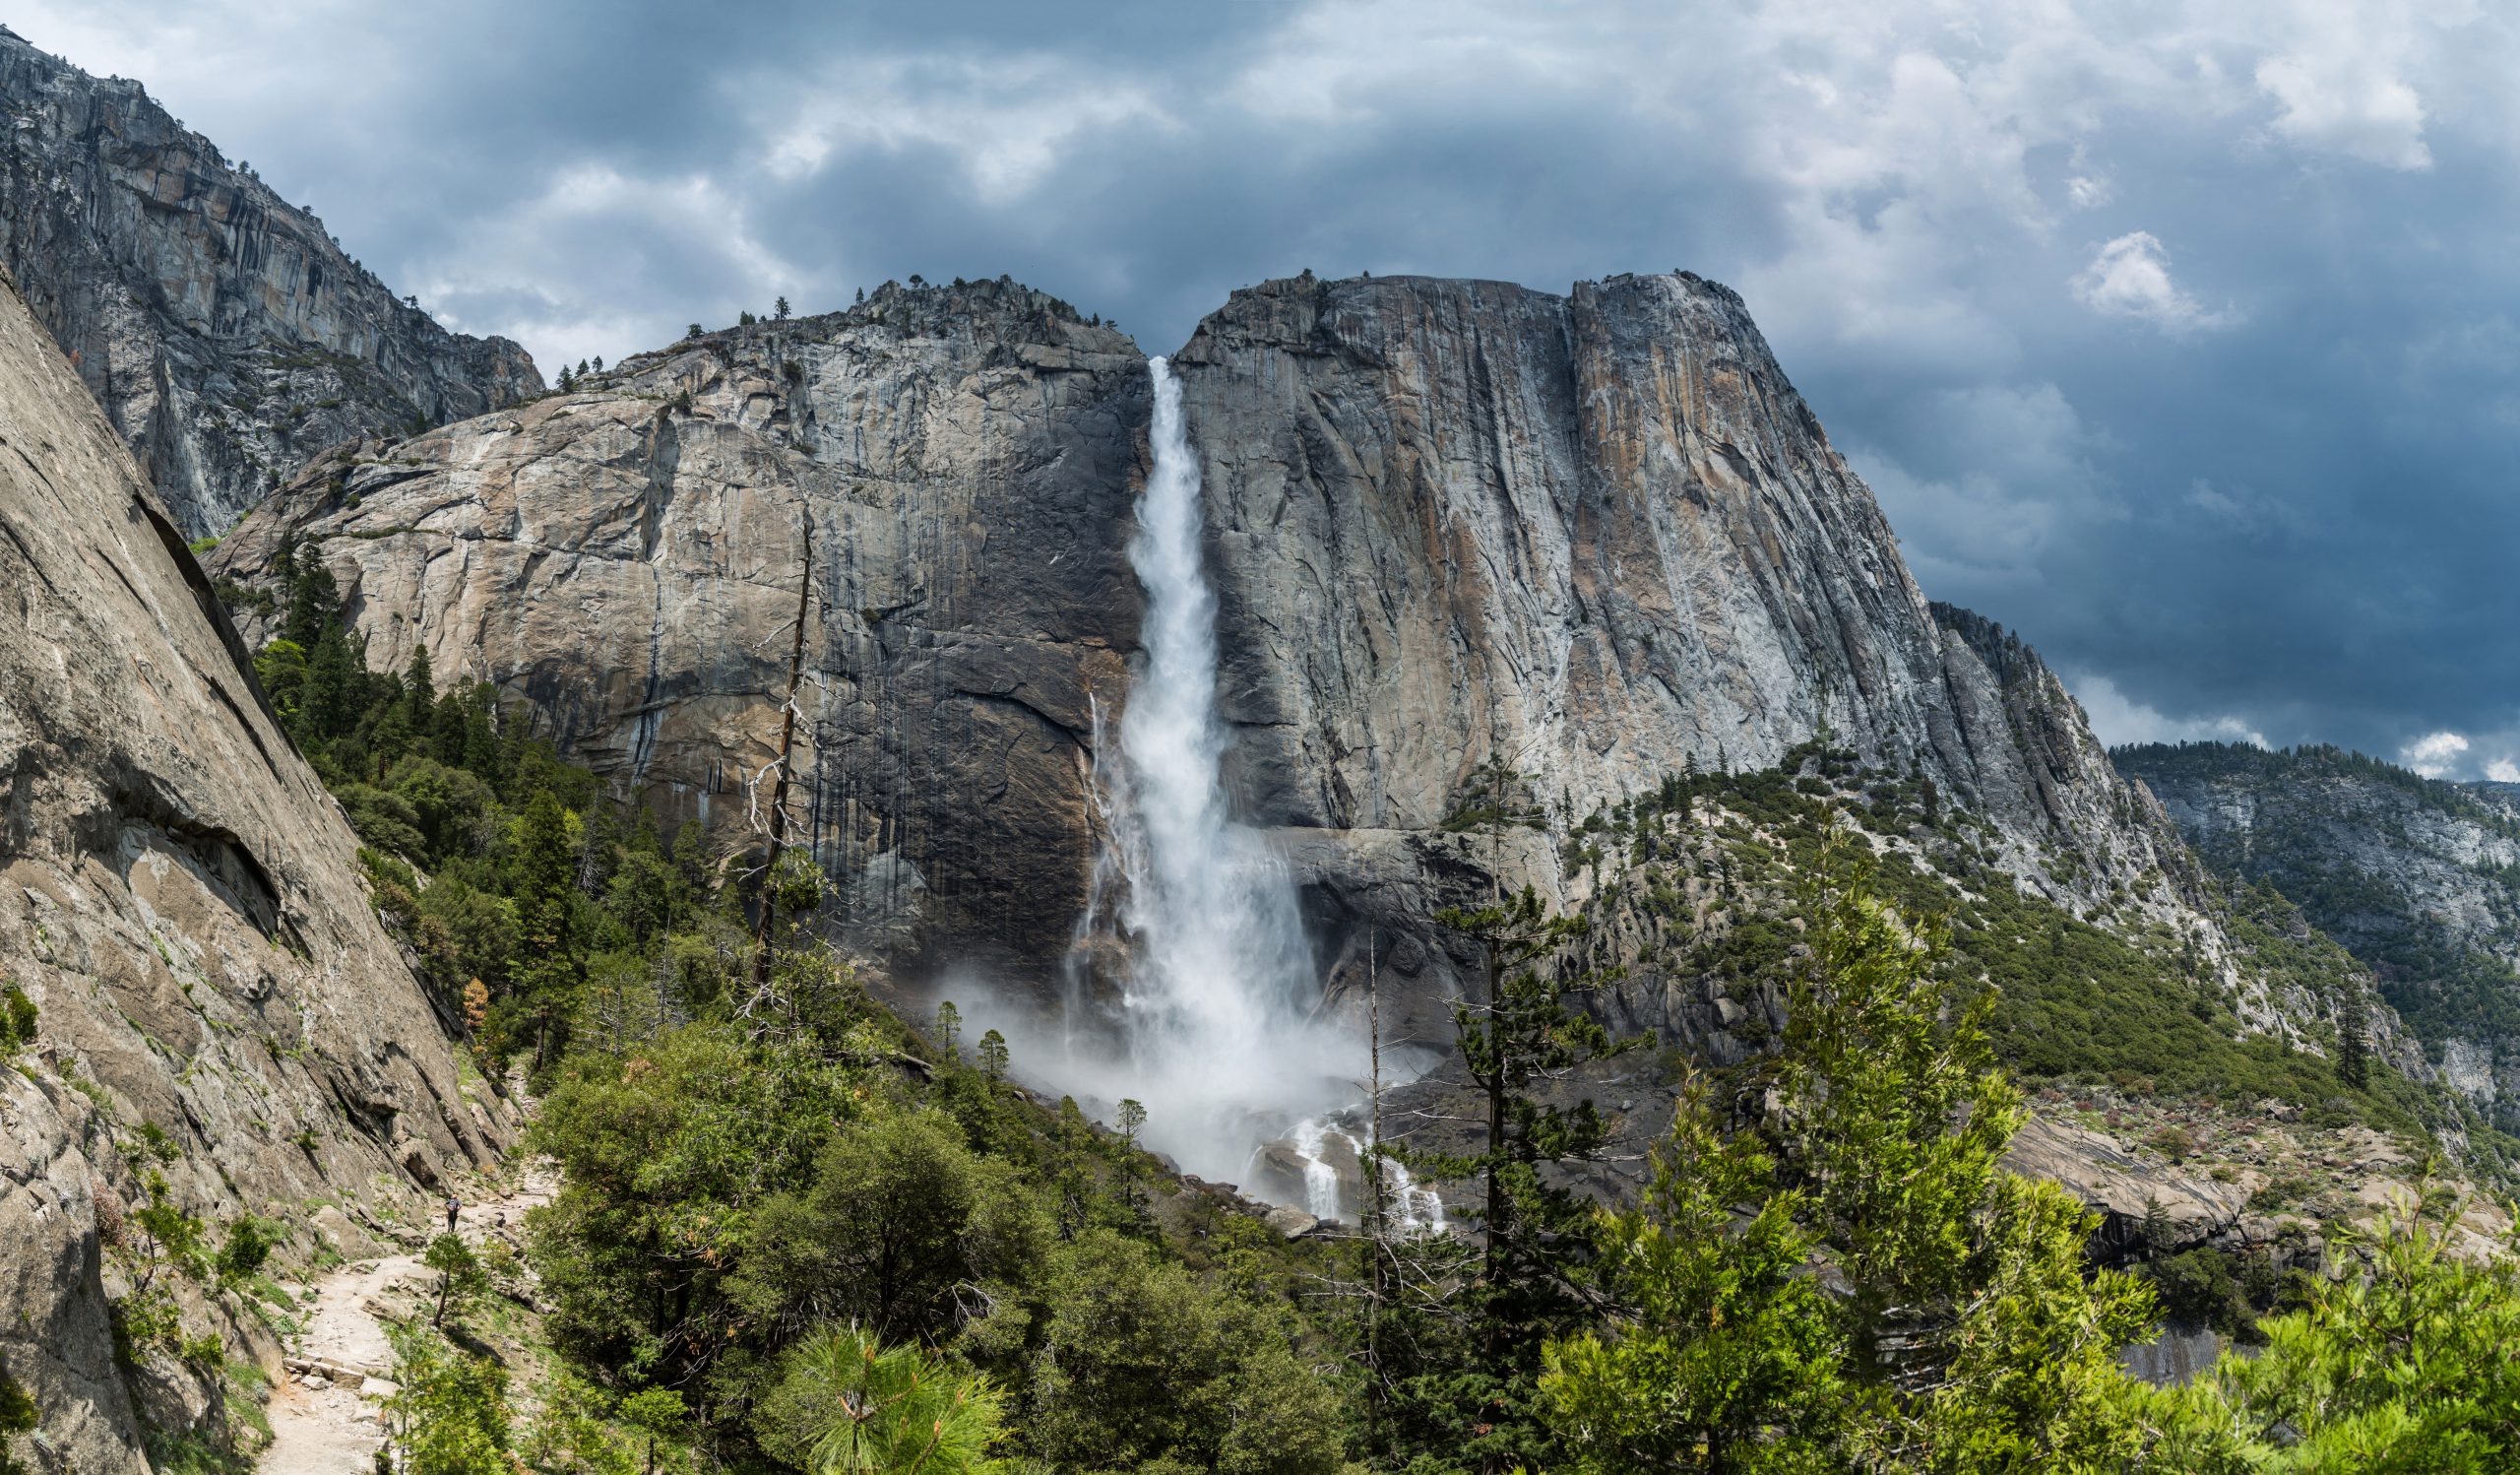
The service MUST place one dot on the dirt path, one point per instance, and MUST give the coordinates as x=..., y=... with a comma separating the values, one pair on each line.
x=324, y=1413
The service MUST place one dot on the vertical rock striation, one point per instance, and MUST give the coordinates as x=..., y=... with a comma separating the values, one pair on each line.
x=227, y=335
x=1597, y=538
x=626, y=558
x=182, y=902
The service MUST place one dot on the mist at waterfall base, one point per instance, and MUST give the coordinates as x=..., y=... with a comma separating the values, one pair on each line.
x=1219, y=1013
x=1219, y=1027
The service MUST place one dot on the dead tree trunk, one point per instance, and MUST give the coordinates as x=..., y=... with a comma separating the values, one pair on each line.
x=787, y=746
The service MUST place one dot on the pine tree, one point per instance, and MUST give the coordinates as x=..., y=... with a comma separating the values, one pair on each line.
x=419, y=688
x=1721, y=1354
x=779, y=309
x=1962, y=1331
x=543, y=881
x=314, y=604
x=1515, y=1043
x=2354, y=1039
x=334, y=681
x=1132, y=1116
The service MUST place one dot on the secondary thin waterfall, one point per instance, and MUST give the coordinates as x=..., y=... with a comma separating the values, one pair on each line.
x=1218, y=994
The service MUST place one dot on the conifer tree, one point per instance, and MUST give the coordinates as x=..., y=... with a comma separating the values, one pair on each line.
x=2353, y=1038
x=1963, y=1331
x=1473, y=1387
x=314, y=603
x=420, y=687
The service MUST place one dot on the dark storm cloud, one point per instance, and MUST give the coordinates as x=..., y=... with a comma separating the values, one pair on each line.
x=2182, y=337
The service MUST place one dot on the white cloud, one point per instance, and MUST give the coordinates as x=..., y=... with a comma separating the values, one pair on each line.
x=1007, y=124
x=2503, y=771
x=2436, y=754
x=2117, y=718
x=2130, y=278
x=594, y=297
x=2348, y=104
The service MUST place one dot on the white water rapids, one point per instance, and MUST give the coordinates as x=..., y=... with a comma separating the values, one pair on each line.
x=1219, y=1011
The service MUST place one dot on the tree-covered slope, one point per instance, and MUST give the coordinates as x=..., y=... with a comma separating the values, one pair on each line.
x=2418, y=877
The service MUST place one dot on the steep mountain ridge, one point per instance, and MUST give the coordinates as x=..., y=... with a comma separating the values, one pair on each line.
x=1451, y=525
x=2419, y=878
x=227, y=335
x=182, y=903
x=1597, y=537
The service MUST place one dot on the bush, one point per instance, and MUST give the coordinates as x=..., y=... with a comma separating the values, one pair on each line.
x=18, y=1016
x=1141, y=1362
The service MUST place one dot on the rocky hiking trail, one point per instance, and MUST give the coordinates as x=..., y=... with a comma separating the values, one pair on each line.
x=326, y=1413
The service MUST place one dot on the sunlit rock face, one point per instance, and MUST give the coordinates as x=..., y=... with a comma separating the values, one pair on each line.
x=1597, y=536
x=227, y=335
x=626, y=559
x=182, y=902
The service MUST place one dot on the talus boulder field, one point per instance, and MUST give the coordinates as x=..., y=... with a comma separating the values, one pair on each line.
x=181, y=902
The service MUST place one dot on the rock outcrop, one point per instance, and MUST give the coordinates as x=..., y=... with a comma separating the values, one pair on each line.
x=181, y=901
x=626, y=558
x=227, y=335
x=1597, y=537
x=2418, y=877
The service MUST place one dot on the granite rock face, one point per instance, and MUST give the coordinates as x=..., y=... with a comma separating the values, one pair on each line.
x=227, y=335
x=626, y=558
x=1597, y=537
x=182, y=902
x=2420, y=879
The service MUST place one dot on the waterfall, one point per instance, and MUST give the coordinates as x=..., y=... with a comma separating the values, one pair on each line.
x=1320, y=1179
x=1215, y=1008
x=1218, y=1015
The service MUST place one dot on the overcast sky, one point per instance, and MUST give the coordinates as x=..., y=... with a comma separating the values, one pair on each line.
x=2178, y=334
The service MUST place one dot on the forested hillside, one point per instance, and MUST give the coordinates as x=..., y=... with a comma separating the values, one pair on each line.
x=2420, y=879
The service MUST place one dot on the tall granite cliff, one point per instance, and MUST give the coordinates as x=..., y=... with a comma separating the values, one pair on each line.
x=227, y=335
x=181, y=901
x=1597, y=537
x=626, y=557
x=2419, y=878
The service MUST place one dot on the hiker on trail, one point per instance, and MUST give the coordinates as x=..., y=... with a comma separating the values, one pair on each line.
x=454, y=1205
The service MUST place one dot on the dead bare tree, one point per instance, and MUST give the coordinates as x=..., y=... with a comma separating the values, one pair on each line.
x=787, y=745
